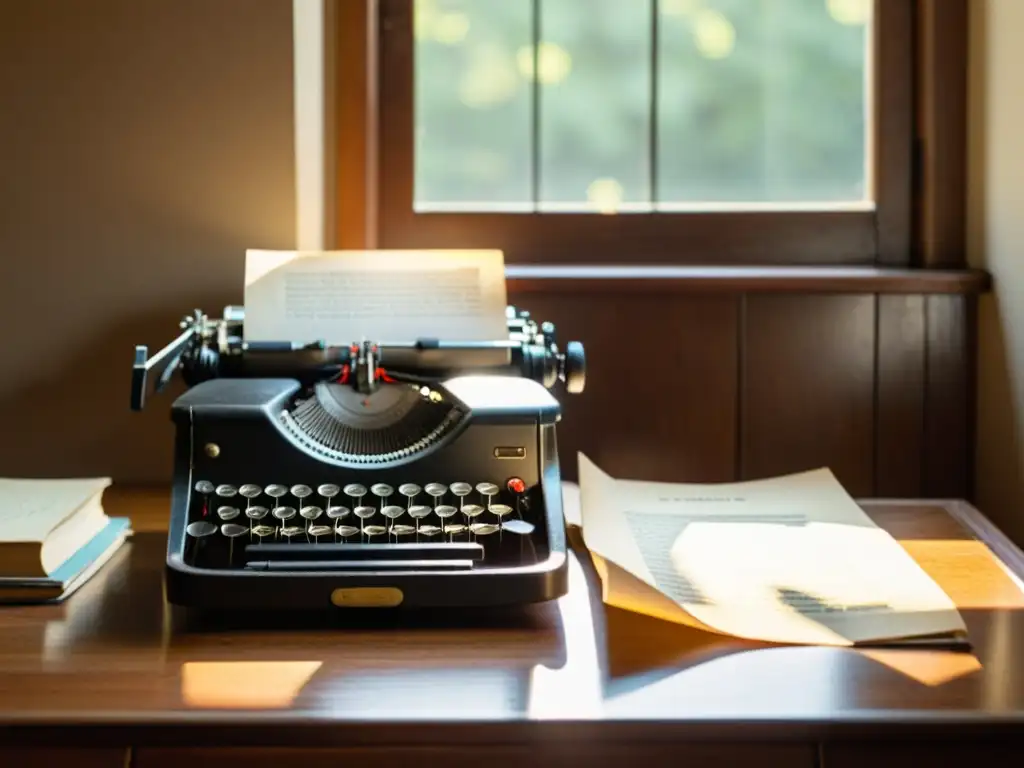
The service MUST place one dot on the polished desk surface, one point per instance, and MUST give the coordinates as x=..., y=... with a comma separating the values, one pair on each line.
x=116, y=665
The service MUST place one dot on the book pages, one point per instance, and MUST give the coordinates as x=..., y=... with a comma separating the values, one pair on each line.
x=790, y=560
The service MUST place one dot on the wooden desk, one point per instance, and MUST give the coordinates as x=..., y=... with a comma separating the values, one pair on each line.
x=115, y=676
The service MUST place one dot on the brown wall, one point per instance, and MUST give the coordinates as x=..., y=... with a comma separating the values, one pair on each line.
x=144, y=147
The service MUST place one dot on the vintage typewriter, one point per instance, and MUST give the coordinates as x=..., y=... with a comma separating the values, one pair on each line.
x=417, y=474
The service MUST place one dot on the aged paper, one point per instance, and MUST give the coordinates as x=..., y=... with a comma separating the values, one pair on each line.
x=787, y=560
x=341, y=297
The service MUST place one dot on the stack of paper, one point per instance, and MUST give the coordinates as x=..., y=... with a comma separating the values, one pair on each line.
x=787, y=560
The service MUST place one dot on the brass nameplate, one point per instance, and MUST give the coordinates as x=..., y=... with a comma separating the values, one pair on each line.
x=366, y=597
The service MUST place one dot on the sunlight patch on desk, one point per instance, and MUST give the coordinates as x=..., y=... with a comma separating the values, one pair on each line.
x=931, y=668
x=968, y=572
x=244, y=684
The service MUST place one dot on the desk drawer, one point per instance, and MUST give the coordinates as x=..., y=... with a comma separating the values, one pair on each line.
x=544, y=754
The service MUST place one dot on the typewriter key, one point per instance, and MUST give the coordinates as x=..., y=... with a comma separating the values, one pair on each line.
x=402, y=529
x=335, y=513
x=409, y=490
x=263, y=530
x=346, y=530
x=484, y=529
x=454, y=529
x=228, y=513
x=364, y=513
x=250, y=491
x=226, y=491
x=276, y=491
x=486, y=489
x=311, y=513
x=445, y=511
x=461, y=489
x=392, y=511
x=317, y=531
x=200, y=529
x=472, y=510
x=500, y=509
x=256, y=513
x=328, y=490
x=418, y=511
x=205, y=487
x=301, y=491
x=429, y=530
x=383, y=490
x=292, y=530
x=521, y=527
x=355, y=490
x=374, y=530
x=437, y=490
x=284, y=513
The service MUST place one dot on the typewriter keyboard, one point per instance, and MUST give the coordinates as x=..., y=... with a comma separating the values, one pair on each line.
x=324, y=518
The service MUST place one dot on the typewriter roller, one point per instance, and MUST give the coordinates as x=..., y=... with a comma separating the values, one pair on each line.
x=372, y=475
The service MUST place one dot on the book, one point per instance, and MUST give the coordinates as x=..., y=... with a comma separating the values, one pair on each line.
x=43, y=522
x=788, y=560
x=75, y=571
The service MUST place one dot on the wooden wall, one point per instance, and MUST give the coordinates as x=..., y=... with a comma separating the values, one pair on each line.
x=725, y=386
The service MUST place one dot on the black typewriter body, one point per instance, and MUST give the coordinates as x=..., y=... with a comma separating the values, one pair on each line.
x=307, y=492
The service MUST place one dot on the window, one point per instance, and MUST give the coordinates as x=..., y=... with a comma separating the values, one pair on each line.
x=647, y=131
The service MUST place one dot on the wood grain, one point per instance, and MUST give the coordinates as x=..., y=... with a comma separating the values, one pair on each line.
x=42, y=757
x=947, y=397
x=808, y=387
x=900, y=385
x=660, y=401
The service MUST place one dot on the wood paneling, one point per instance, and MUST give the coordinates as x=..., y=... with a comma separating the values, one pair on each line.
x=660, y=400
x=44, y=757
x=947, y=432
x=899, y=417
x=808, y=387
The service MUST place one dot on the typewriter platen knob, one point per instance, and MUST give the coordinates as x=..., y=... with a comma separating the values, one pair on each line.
x=574, y=367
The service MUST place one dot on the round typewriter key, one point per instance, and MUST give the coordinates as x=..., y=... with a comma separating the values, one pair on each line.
x=381, y=489
x=263, y=530
x=417, y=511
x=375, y=530
x=486, y=489
x=346, y=530
x=409, y=489
x=516, y=485
x=437, y=490
x=429, y=530
x=462, y=489
x=500, y=509
x=445, y=511
x=292, y=530
x=284, y=513
x=364, y=512
x=355, y=490
x=250, y=491
x=392, y=511
x=205, y=487
x=226, y=491
x=335, y=513
x=301, y=491
x=328, y=490
x=228, y=513
x=200, y=529
x=317, y=531
x=483, y=529
x=402, y=530
x=454, y=529
x=311, y=513
x=256, y=513
x=233, y=529
x=521, y=527
x=276, y=491
x=472, y=510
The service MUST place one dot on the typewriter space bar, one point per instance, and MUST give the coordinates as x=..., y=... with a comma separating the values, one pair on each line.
x=360, y=565
x=349, y=553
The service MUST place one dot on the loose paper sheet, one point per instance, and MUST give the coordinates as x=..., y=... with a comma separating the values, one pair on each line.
x=342, y=297
x=789, y=560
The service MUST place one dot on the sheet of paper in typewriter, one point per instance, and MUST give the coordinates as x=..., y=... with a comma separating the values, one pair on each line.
x=792, y=559
x=347, y=296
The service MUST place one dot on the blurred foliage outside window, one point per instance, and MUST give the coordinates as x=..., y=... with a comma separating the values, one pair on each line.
x=755, y=103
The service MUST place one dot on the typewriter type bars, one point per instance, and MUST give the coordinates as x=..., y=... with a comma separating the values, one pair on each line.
x=315, y=523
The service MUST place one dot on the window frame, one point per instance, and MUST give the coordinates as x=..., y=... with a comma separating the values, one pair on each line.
x=919, y=71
